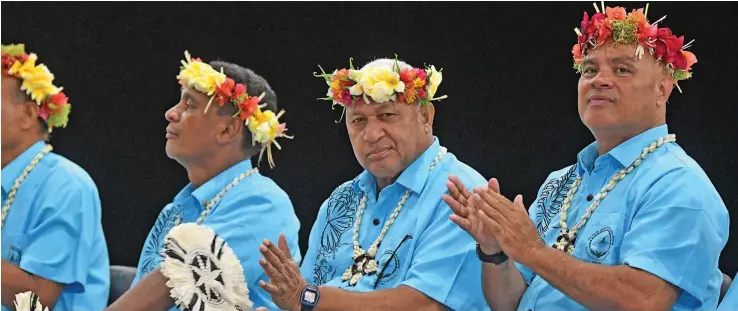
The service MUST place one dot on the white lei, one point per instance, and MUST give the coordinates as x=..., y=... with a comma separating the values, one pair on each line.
x=567, y=238
x=365, y=262
x=20, y=179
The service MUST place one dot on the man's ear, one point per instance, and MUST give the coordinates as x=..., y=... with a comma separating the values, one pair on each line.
x=427, y=113
x=30, y=115
x=230, y=129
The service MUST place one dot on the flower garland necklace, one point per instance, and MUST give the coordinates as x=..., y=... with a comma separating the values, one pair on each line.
x=209, y=204
x=567, y=238
x=365, y=262
x=21, y=178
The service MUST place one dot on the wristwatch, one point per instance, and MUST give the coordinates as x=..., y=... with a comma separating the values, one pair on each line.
x=309, y=297
x=493, y=259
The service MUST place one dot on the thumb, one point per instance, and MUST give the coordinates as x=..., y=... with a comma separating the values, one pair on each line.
x=519, y=201
x=261, y=309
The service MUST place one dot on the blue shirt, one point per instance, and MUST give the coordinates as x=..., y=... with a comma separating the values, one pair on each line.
x=730, y=301
x=423, y=249
x=253, y=210
x=665, y=218
x=54, y=229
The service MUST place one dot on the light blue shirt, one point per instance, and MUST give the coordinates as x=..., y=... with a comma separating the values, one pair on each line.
x=423, y=249
x=253, y=210
x=54, y=229
x=665, y=218
x=730, y=301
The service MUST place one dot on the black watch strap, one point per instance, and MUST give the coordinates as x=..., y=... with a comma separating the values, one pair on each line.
x=493, y=259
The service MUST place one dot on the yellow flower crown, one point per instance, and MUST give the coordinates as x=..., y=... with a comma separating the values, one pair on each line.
x=264, y=125
x=37, y=82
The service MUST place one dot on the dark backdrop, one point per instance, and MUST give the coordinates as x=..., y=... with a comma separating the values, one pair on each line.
x=511, y=111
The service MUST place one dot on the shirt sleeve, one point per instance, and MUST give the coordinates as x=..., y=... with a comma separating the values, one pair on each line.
x=63, y=233
x=307, y=269
x=244, y=222
x=677, y=234
x=444, y=266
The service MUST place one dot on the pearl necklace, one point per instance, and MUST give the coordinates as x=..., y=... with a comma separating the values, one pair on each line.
x=21, y=178
x=209, y=204
x=567, y=238
x=365, y=262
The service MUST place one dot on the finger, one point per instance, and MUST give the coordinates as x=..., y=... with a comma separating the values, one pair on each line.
x=494, y=184
x=461, y=222
x=462, y=189
x=455, y=205
x=282, y=243
x=519, y=202
x=270, y=256
x=271, y=272
x=276, y=250
x=482, y=204
x=497, y=201
x=261, y=309
x=490, y=223
x=270, y=288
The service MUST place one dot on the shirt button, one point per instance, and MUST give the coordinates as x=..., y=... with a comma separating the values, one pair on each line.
x=589, y=197
x=376, y=222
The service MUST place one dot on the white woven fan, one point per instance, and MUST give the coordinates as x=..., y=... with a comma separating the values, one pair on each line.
x=28, y=301
x=202, y=272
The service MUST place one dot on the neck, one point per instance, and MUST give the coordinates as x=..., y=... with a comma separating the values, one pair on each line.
x=609, y=139
x=10, y=153
x=200, y=173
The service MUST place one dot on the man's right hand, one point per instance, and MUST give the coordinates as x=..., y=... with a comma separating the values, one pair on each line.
x=466, y=214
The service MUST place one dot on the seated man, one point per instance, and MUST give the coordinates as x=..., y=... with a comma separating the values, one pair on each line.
x=214, y=130
x=52, y=238
x=635, y=224
x=382, y=241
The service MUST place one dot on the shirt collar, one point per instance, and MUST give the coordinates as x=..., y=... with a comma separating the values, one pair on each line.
x=413, y=177
x=15, y=168
x=212, y=187
x=624, y=154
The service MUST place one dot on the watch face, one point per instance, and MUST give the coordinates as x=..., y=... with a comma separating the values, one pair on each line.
x=309, y=297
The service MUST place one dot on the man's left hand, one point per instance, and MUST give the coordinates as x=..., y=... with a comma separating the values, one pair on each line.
x=509, y=222
x=285, y=280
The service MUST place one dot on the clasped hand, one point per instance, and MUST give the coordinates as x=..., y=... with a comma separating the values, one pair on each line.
x=492, y=220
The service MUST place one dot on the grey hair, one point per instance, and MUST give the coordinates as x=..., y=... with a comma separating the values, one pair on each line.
x=387, y=63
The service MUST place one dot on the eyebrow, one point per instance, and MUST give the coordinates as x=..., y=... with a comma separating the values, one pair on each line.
x=625, y=59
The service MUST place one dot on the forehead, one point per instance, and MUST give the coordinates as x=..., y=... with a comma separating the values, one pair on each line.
x=373, y=107
x=616, y=53
x=188, y=92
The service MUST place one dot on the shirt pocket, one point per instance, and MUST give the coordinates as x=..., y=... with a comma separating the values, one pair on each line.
x=599, y=241
x=12, y=247
x=394, y=257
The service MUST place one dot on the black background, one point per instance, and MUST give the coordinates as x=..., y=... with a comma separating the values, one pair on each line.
x=511, y=111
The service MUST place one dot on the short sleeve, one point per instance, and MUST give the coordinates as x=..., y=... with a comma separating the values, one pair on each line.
x=63, y=232
x=307, y=269
x=444, y=266
x=677, y=233
x=244, y=222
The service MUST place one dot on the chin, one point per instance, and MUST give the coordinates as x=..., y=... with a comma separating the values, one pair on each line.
x=599, y=119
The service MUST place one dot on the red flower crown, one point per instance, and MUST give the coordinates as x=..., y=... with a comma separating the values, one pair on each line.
x=634, y=29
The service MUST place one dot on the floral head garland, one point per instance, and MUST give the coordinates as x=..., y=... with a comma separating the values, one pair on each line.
x=634, y=29
x=264, y=125
x=382, y=84
x=37, y=82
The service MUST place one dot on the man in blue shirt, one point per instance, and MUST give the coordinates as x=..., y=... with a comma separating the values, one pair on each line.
x=635, y=224
x=382, y=241
x=214, y=131
x=52, y=239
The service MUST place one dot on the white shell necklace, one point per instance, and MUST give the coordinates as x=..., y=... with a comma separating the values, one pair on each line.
x=209, y=204
x=567, y=238
x=365, y=262
x=21, y=178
